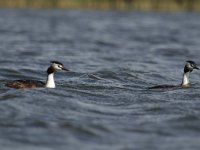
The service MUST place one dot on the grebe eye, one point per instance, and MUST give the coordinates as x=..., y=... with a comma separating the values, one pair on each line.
x=60, y=66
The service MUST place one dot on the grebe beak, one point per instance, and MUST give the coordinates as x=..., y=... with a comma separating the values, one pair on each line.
x=65, y=69
x=196, y=68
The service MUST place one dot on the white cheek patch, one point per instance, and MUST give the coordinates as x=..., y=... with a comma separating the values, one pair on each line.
x=57, y=66
x=189, y=65
x=54, y=65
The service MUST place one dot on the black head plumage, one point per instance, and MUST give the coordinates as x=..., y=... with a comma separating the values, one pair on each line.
x=56, y=62
x=190, y=65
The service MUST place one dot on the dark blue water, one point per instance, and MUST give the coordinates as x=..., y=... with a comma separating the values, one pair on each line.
x=103, y=103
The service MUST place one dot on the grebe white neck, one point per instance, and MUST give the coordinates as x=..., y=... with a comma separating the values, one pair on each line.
x=185, y=80
x=50, y=81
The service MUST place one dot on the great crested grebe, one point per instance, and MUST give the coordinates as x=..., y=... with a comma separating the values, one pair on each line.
x=55, y=65
x=189, y=66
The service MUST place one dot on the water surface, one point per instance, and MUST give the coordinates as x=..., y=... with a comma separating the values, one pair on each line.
x=103, y=103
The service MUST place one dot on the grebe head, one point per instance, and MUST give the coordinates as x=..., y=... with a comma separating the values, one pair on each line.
x=189, y=66
x=56, y=65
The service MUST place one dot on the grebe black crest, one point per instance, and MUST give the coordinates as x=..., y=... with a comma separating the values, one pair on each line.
x=55, y=65
x=189, y=66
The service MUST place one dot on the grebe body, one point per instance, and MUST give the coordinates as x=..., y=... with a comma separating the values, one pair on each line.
x=50, y=83
x=189, y=66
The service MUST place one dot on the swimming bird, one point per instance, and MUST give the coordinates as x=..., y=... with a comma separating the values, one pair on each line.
x=189, y=66
x=50, y=83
